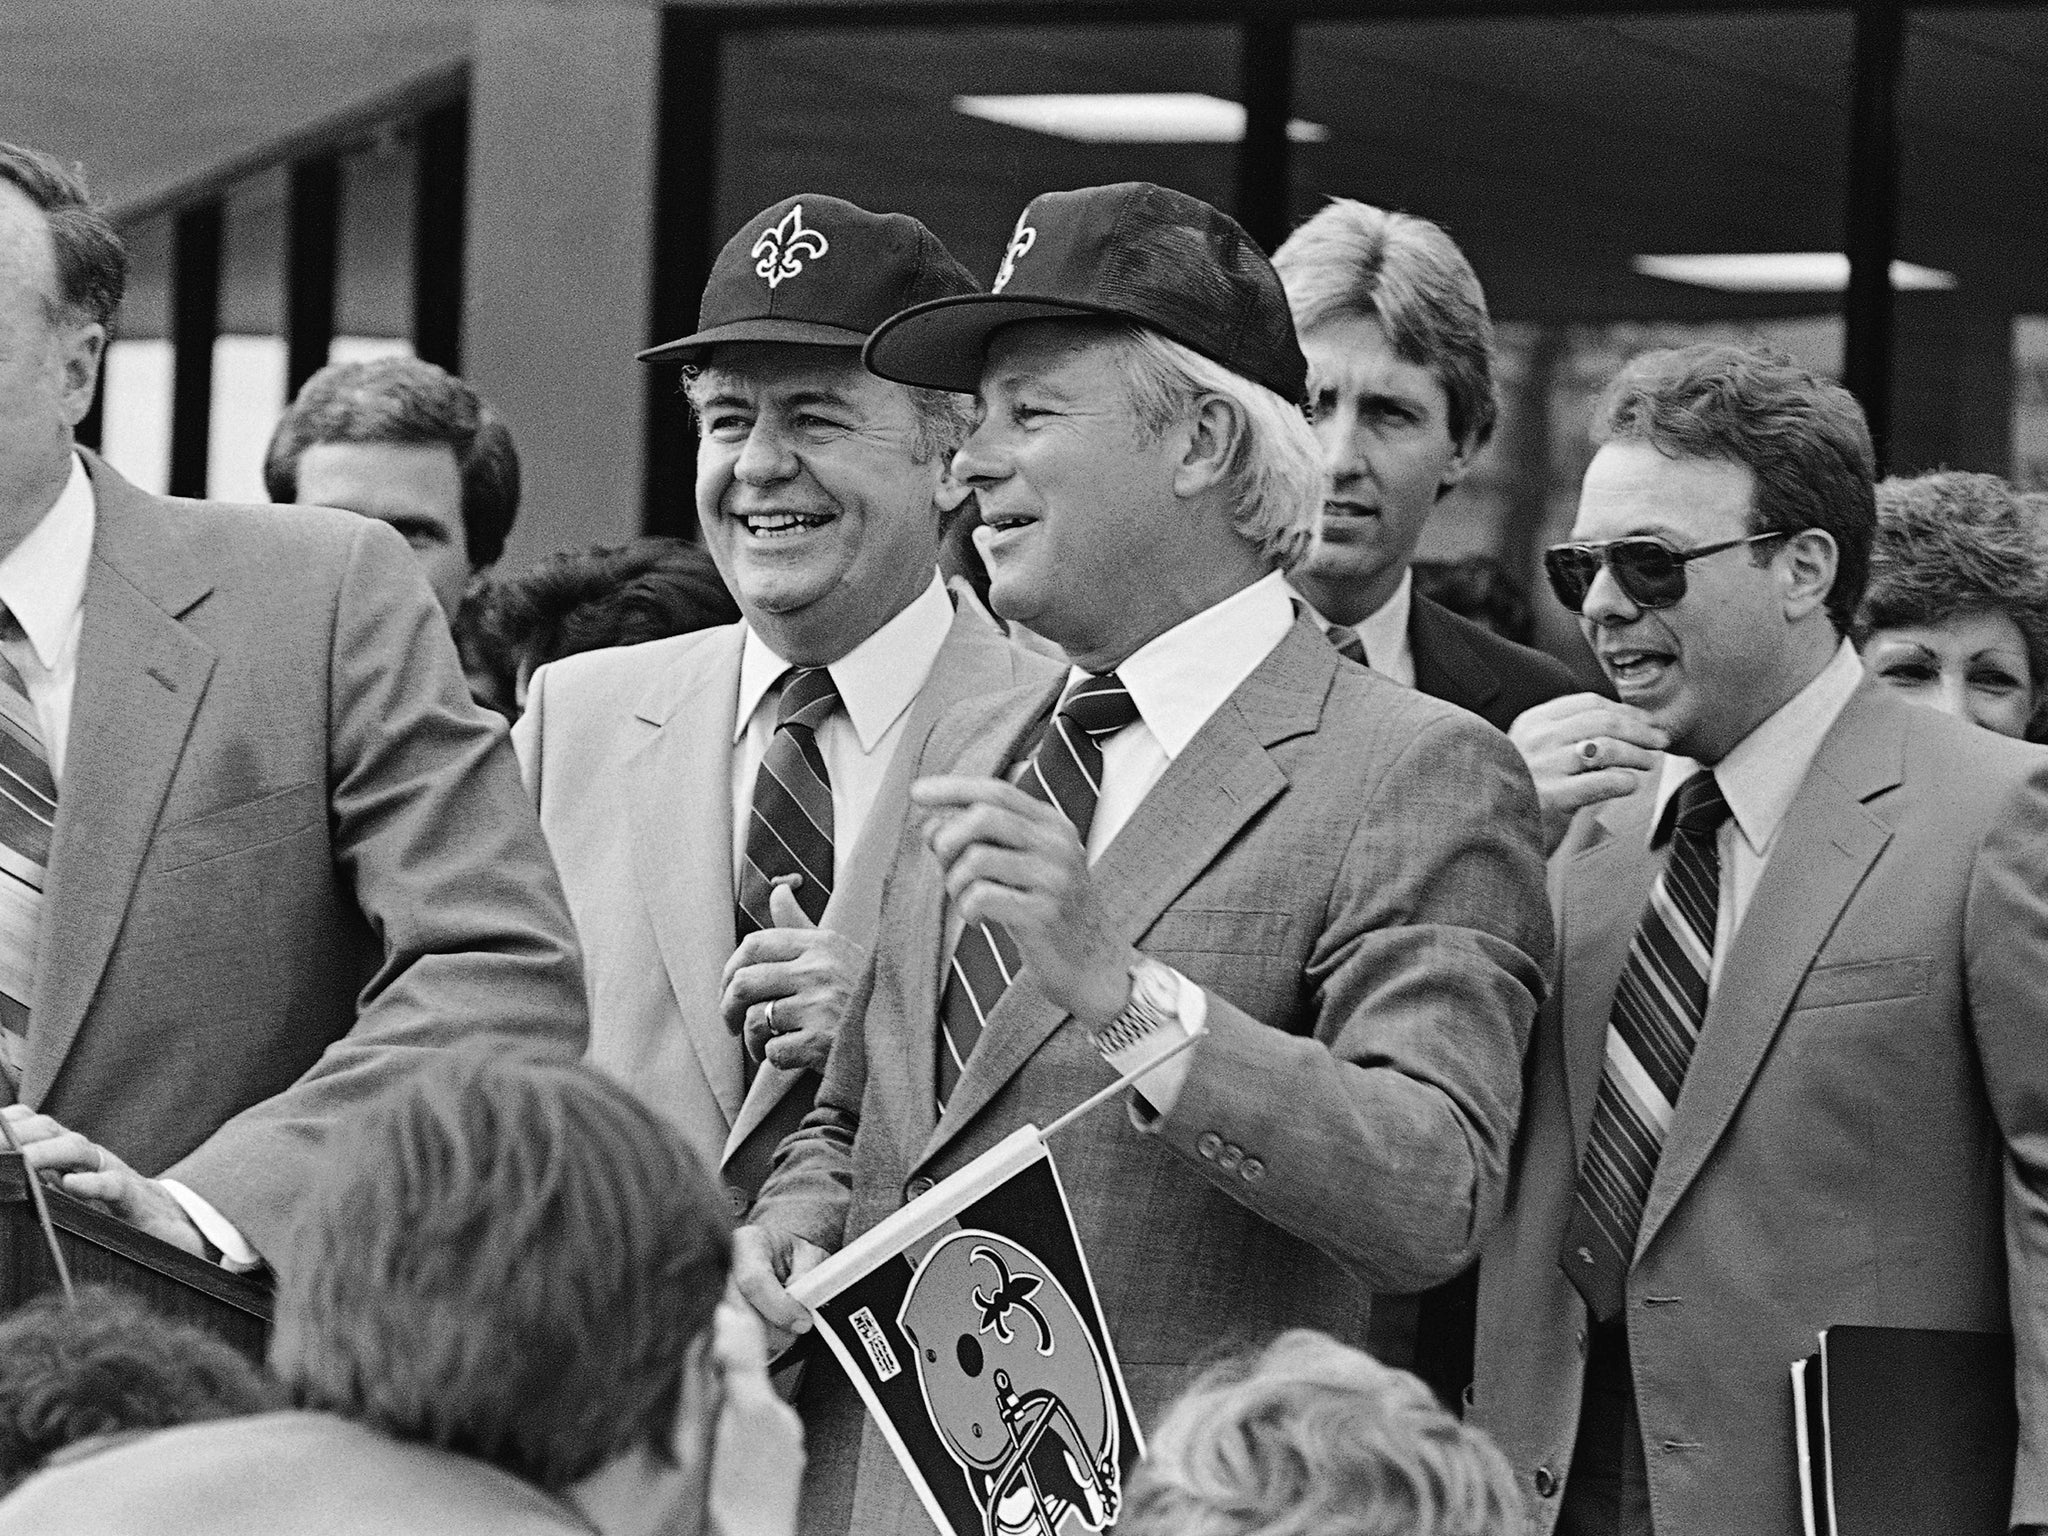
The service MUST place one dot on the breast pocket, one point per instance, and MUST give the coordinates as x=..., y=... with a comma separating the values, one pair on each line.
x=237, y=828
x=1864, y=981
x=1219, y=931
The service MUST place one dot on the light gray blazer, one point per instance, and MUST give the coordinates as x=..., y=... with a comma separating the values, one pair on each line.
x=1352, y=871
x=290, y=851
x=627, y=753
x=1863, y=1134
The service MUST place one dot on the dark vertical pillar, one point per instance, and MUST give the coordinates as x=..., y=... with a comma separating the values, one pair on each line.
x=1265, y=181
x=439, y=222
x=1872, y=224
x=195, y=322
x=309, y=264
x=685, y=192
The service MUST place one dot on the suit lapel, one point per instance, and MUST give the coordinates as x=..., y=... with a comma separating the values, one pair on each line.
x=1220, y=781
x=975, y=659
x=141, y=676
x=1606, y=884
x=1446, y=666
x=1825, y=846
x=678, y=789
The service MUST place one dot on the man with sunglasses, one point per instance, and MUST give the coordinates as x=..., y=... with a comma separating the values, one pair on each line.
x=1823, y=916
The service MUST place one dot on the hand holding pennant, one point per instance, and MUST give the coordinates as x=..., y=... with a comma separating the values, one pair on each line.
x=969, y=1323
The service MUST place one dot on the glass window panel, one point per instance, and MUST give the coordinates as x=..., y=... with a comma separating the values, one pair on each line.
x=135, y=385
x=868, y=114
x=1971, y=361
x=373, y=268
x=1556, y=152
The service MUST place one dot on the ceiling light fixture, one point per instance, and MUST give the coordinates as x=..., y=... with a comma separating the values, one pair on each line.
x=1782, y=272
x=1147, y=117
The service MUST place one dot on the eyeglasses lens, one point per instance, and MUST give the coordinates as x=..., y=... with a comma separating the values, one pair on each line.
x=1645, y=571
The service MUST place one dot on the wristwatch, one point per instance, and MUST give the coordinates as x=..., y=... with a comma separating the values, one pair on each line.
x=1154, y=1005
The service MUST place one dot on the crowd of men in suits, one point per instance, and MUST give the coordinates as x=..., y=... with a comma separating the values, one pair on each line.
x=1636, y=1045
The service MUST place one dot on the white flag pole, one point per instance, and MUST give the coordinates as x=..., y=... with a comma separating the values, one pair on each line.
x=1105, y=1094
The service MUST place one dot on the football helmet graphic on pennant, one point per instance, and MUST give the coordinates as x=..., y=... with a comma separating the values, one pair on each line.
x=1015, y=1387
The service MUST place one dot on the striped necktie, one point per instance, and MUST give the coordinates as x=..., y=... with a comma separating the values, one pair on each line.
x=1064, y=769
x=1651, y=1034
x=28, y=815
x=1345, y=641
x=790, y=831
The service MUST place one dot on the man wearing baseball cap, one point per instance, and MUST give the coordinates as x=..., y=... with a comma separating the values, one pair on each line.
x=707, y=796
x=1214, y=827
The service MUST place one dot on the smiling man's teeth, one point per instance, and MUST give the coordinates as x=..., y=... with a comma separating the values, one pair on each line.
x=767, y=524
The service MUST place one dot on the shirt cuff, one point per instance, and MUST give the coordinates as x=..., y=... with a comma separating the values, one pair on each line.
x=236, y=1255
x=1155, y=1093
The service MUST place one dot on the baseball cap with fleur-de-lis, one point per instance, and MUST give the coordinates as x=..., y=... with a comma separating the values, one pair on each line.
x=816, y=271
x=1133, y=251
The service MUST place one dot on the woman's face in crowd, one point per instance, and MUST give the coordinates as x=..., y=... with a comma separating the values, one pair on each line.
x=1970, y=665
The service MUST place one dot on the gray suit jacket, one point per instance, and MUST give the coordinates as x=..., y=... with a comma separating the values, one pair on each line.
x=1351, y=870
x=1863, y=1134
x=279, y=1474
x=290, y=852
x=628, y=756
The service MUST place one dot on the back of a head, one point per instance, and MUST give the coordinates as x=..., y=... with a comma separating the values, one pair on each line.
x=510, y=1257
x=1352, y=260
x=1802, y=437
x=105, y=1364
x=406, y=401
x=1309, y=1437
x=588, y=599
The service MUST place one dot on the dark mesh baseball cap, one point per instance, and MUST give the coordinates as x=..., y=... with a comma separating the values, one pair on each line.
x=817, y=271
x=1132, y=251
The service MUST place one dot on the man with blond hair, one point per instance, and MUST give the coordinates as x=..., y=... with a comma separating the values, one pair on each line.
x=1213, y=826
x=1307, y=1436
x=1400, y=383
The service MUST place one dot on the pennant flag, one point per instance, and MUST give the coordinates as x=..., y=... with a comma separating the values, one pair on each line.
x=969, y=1324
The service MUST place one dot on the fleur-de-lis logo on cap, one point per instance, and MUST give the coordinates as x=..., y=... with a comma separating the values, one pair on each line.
x=1021, y=240
x=781, y=250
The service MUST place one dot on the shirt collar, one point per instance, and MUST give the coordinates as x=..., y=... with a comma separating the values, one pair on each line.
x=42, y=580
x=1384, y=631
x=1180, y=678
x=1761, y=775
x=877, y=679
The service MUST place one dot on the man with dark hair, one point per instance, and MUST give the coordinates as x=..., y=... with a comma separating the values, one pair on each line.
x=724, y=806
x=259, y=853
x=411, y=445
x=499, y=1316
x=1791, y=1072
x=1400, y=359
x=77, y=1369
x=581, y=600
x=1210, y=826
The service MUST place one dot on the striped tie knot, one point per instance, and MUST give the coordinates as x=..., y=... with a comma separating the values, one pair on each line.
x=1099, y=704
x=808, y=696
x=1697, y=810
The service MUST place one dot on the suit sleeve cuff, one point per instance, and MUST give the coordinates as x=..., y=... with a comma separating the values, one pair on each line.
x=236, y=1255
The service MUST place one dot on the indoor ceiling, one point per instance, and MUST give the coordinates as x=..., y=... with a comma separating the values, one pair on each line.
x=155, y=95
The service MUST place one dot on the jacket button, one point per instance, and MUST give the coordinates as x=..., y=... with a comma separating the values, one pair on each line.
x=1229, y=1157
x=916, y=1187
x=1209, y=1145
x=737, y=1199
x=1546, y=1482
x=1252, y=1171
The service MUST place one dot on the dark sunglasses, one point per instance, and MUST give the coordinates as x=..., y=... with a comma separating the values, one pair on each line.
x=1650, y=573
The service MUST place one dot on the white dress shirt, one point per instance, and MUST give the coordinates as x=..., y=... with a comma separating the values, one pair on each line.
x=1383, y=632
x=1178, y=680
x=877, y=680
x=42, y=582
x=1759, y=778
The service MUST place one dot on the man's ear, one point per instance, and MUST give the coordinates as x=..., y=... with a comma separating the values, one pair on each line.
x=84, y=345
x=1808, y=561
x=1210, y=438
x=1463, y=456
